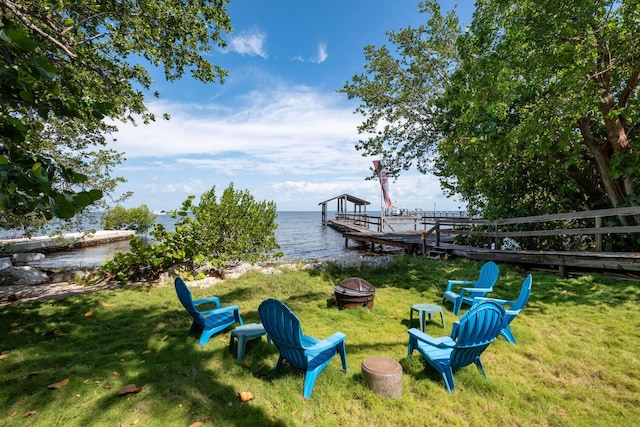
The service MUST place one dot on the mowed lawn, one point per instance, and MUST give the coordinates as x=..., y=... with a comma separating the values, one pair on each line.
x=69, y=362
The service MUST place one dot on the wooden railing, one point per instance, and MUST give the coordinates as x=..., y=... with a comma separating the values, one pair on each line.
x=440, y=226
x=386, y=223
x=361, y=220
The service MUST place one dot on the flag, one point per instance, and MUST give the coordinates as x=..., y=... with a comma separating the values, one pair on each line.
x=381, y=171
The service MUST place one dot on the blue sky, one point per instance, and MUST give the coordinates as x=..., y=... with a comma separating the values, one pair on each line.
x=277, y=126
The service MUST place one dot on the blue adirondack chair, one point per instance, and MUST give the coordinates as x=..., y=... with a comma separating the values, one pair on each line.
x=209, y=322
x=488, y=277
x=301, y=351
x=514, y=307
x=470, y=337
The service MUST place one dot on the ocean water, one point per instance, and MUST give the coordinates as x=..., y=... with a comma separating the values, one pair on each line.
x=301, y=237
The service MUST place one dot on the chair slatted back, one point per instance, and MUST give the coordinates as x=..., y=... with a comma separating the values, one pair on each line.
x=186, y=299
x=283, y=328
x=489, y=273
x=477, y=328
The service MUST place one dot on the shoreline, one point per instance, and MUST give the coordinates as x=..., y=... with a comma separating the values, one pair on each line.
x=59, y=288
x=64, y=242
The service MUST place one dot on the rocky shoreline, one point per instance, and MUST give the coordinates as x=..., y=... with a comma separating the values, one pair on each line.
x=25, y=283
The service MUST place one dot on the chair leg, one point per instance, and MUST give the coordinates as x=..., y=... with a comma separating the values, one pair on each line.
x=343, y=355
x=309, y=382
x=480, y=367
x=194, y=327
x=508, y=335
x=280, y=359
x=231, y=343
x=457, y=304
x=447, y=376
x=412, y=345
x=204, y=338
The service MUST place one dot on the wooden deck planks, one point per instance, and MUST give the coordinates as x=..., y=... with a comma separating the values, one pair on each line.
x=411, y=242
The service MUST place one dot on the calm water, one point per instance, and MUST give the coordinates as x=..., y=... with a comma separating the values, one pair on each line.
x=301, y=236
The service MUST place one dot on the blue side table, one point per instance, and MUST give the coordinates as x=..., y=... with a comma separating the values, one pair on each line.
x=426, y=309
x=245, y=333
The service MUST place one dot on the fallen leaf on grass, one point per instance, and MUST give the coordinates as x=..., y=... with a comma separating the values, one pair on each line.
x=106, y=304
x=245, y=396
x=594, y=287
x=88, y=314
x=144, y=353
x=13, y=414
x=3, y=356
x=13, y=325
x=59, y=384
x=196, y=424
x=165, y=338
x=30, y=413
x=116, y=373
x=129, y=388
x=53, y=331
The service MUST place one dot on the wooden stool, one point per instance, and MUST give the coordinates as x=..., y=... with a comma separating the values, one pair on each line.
x=383, y=375
x=428, y=309
x=245, y=333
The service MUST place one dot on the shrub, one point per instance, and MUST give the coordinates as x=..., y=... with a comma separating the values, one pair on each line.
x=121, y=218
x=215, y=233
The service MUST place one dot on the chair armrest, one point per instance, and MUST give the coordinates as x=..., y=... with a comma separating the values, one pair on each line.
x=499, y=301
x=224, y=309
x=450, y=283
x=440, y=342
x=512, y=313
x=327, y=343
x=472, y=291
x=215, y=300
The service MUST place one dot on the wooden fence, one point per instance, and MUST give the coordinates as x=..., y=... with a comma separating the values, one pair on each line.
x=497, y=230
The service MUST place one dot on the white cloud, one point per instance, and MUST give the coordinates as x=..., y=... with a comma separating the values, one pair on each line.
x=292, y=122
x=250, y=43
x=321, y=54
x=293, y=145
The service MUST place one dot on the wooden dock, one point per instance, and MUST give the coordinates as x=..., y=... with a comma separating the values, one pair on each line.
x=410, y=241
x=425, y=244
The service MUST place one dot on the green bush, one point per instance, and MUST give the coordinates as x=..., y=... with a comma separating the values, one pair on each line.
x=121, y=218
x=215, y=233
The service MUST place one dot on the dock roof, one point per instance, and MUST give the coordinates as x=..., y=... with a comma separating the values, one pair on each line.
x=348, y=198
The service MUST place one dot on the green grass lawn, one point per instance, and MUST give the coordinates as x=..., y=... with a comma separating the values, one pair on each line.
x=576, y=362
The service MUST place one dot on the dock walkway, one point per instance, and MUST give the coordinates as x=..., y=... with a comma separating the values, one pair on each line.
x=410, y=241
x=414, y=242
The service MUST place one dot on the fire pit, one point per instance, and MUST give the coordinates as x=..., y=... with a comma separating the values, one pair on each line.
x=354, y=292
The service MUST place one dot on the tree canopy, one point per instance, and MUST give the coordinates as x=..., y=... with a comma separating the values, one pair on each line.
x=67, y=66
x=531, y=109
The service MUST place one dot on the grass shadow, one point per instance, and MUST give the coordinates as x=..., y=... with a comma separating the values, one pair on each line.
x=101, y=347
